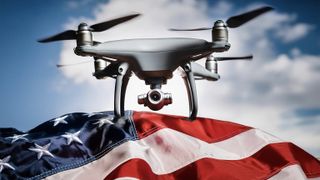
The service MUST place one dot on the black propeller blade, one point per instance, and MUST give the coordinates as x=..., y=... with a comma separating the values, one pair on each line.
x=196, y=29
x=235, y=21
x=109, y=24
x=248, y=58
x=72, y=34
x=64, y=65
x=65, y=35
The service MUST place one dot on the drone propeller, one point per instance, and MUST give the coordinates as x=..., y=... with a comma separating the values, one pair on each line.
x=72, y=34
x=248, y=58
x=65, y=65
x=234, y=21
x=195, y=29
x=212, y=62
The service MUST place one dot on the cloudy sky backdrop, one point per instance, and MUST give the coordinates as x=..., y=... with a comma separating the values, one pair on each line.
x=277, y=92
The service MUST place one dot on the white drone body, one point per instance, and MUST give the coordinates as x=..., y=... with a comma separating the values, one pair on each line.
x=154, y=59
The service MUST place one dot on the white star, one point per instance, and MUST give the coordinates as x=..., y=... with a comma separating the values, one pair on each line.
x=72, y=137
x=4, y=163
x=103, y=121
x=17, y=137
x=60, y=120
x=93, y=114
x=42, y=150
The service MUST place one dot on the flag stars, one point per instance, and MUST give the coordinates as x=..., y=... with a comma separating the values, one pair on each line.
x=17, y=137
x=104, y=121
x=110, y=142
x=42, y=150
x=4, y=163
x=72, y=137
x=93, y=114
x=60, y=120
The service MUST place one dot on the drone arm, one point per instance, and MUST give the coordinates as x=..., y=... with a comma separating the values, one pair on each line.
x=191, y=90
x=120, y=89
x=200, y=71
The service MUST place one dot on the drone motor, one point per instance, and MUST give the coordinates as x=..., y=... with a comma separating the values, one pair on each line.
x=99, y=66
x=84, y=35
x=211, y=64
x=219, y=32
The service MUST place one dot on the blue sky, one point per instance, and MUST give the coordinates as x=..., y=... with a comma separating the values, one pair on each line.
x=28, y=68
x=33, y=90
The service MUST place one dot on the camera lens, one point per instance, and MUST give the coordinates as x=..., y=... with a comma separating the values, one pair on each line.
x=155, y=99
x=155, y=96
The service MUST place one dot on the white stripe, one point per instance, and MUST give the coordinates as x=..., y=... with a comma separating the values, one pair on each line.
x=168, y=150
x=126, y=178
x=291, y=172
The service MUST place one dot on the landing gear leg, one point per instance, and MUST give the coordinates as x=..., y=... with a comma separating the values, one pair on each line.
x=191, y=90
x=120, y=89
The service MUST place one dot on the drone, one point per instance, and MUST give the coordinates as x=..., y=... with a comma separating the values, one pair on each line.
x=154, y=59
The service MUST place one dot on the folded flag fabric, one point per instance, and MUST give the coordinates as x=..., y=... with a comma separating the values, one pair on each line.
x=145, y=145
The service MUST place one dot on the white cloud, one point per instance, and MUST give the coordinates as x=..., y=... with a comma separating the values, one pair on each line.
x=294, y=32
x=220, y=9
x=260, y=93
x=284, y=26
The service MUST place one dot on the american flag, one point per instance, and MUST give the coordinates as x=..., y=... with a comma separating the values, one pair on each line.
x=145, y=145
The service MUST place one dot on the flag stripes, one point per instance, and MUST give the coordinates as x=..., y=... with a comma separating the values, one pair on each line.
x=291, y=172
x=167, y=153
x=144, y=145
x=208, y=130
x=266, y=163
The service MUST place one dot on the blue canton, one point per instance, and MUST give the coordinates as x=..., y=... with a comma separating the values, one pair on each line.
x=62, y=143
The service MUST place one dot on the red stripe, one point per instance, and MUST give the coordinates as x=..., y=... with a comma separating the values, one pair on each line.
x=206, y=129
x=262, y=165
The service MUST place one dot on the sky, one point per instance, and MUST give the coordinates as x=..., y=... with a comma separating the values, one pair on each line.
x=277, y=92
